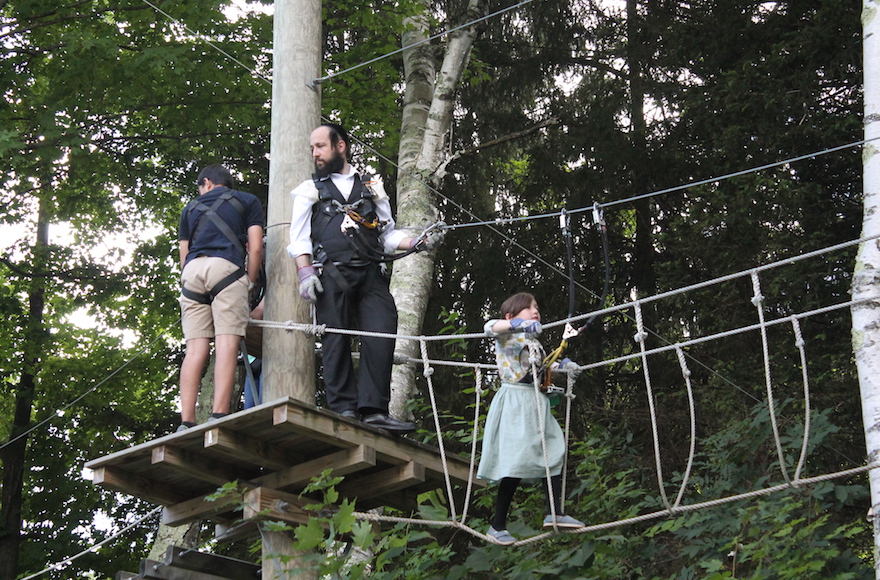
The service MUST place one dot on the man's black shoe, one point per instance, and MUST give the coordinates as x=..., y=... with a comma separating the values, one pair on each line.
x=349, y=414
x=383, y=421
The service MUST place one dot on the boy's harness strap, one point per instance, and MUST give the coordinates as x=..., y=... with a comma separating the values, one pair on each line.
x=211, y=212
x=213, y=292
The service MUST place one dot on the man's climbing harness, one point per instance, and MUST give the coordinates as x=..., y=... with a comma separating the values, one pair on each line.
x=360, y=224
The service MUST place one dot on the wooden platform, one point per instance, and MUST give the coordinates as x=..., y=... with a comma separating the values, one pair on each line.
x=273, y=451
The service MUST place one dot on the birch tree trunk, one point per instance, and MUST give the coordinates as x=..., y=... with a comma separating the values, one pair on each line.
x=427, y=116
x=866, y=278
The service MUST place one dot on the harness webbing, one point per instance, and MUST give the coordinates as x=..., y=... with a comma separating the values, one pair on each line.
x=211, y=213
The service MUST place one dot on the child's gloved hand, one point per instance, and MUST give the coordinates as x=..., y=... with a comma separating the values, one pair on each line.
x=570, y=367
x=527, y=326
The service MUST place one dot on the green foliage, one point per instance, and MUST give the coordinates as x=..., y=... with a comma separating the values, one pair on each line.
x=109, y=109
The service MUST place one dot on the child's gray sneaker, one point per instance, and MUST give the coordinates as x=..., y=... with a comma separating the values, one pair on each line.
x=562, y=522
x=502, y=537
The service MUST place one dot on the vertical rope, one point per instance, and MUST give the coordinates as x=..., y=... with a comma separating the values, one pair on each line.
x=799, y=343
x=686, y=373
x=569, y=397
x=427, y=373
x=478, y=392
x=758, y=301
x=536, y=358
x=640, y=337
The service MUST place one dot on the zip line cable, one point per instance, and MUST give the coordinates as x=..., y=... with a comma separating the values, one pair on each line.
x=331, y=76
x=65, y=562
x=82, y=396
x=671, y=189
x=206, y=40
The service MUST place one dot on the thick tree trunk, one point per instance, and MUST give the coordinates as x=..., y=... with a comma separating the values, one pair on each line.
x=866, y=278
x=14, y=455
x=427, y=116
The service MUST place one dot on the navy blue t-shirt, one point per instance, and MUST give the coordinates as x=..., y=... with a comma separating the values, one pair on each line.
x=213, y=242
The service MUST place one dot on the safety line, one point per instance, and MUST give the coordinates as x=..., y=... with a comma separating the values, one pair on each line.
x=331, y=76
x=206, y=41
x=65, y=562
x=60, y=410
x=669, y=190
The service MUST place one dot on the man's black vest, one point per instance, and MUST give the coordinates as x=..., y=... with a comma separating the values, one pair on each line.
x=327, y=219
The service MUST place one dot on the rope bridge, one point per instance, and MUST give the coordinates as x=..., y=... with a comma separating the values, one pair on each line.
x=633, y=312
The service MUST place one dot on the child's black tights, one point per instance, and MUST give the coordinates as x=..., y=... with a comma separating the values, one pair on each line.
x=506, y=488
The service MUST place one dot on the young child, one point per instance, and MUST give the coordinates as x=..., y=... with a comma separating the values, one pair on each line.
x=512, y=448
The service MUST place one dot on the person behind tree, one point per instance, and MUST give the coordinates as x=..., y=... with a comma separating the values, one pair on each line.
x=512, y=450
x=221, y=245
x=342, y=220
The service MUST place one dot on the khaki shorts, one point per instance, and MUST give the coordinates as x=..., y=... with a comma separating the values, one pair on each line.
x=227, y=314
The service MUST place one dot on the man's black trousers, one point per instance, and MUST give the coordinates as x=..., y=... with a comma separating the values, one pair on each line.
x=370, y=307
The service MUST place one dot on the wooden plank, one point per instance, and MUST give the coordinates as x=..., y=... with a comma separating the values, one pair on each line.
x=301, y=419
x=199, y=508
x=184, y=559
x=265, y=503
x=193, y=466
x=138, y=485
x=385, y=482
x=249, y=449
x=342, y=462
x=242, y=420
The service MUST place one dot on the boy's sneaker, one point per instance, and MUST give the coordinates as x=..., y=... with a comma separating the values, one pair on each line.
x=562, y=522
x=501, y=537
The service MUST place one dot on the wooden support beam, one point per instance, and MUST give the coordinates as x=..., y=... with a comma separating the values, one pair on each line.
x=389, y=449
x=199, y=508
x=184, y=559
x=199, y=468
x=265, y=503
x=342, y=462
x=153, y=570
x=385, y=482
x=236, y=531
x=143, y=487
x=248, y=449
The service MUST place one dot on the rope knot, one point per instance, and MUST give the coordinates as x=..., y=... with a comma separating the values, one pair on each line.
x=640, y=336
x=428, y=372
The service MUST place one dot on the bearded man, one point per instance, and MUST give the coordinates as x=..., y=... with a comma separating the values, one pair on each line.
x=340, y=228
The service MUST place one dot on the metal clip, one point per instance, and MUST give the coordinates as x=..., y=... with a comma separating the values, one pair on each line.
x=348, y=224
x=598, y=215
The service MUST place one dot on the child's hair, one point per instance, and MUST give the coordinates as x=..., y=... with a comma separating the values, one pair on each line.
x=516, y=303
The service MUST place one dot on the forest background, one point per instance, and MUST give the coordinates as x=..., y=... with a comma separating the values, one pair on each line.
x=110, y=108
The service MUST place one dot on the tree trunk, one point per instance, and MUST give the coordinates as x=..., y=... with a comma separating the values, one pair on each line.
x=427, y=116
x=15, y=453
x=866, y=278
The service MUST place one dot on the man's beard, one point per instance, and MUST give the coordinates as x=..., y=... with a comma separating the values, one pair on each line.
x=335, y=165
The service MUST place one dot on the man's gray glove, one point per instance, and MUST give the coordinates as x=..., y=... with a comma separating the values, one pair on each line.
x=434, y=239
x=309, y=284
x=430, y=239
